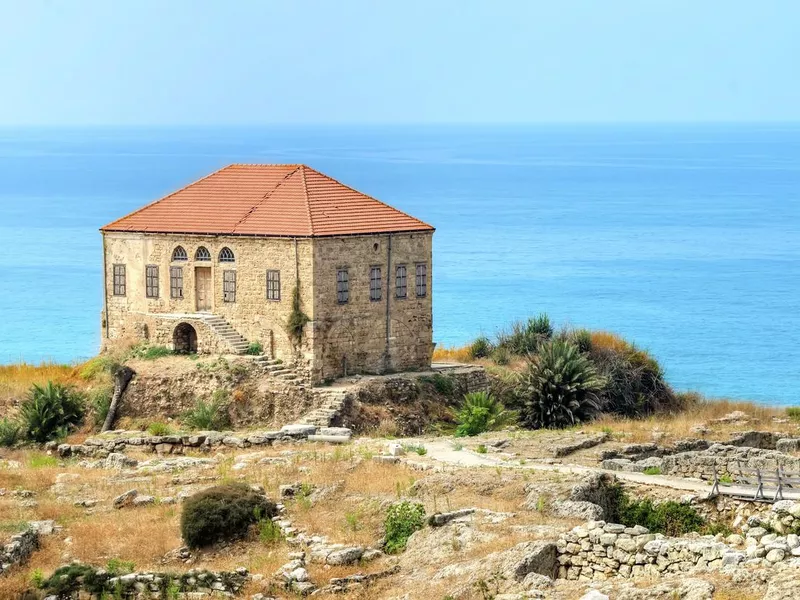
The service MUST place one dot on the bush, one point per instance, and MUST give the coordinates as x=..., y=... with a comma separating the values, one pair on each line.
x=150, y=352
x=441, y=383
x=402, y=520
x=9, y=432
x=99, y=403
x=221, y=513
x=635, y=384
x=211, y=415
x=159, y=429
x=254, y=349
x=670, y=518
x=501, y=356
x=67, y=581
x=50, y=411
x=480, y=348
x=560, y=387
x=480, y=412
x=525, y=338
x=793, y=412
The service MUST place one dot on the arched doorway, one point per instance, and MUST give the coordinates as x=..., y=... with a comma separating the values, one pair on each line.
x=184, y=339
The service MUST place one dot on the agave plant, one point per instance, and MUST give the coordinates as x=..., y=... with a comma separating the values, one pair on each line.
x=49, y=411
x=561, y=387
x=481, y=412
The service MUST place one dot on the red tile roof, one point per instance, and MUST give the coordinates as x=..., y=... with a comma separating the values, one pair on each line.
x=279, y=200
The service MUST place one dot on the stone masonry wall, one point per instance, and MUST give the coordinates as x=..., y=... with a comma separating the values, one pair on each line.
x=252, y=315
x=352, y=336
x=340, y=338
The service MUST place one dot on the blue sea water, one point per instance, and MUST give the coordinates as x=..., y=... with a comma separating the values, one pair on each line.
x=685, y=239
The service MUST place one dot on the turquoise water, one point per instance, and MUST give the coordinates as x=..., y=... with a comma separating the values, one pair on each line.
x=685, y=239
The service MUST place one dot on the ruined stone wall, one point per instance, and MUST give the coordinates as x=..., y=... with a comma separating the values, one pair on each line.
x=252, y=314
x=352, y=337
x=727, y=460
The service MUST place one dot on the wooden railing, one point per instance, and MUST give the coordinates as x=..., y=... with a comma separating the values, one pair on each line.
x=758, y=481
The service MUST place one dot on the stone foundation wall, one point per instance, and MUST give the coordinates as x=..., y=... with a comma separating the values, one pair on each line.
x=18, y=549
x=726, y=459
x=600, y=550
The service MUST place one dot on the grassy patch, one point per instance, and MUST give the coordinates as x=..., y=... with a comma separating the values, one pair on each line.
x=652, y=471
x=402, y=520
x=159, y=429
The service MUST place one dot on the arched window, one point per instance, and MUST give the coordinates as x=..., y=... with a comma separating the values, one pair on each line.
x=226, y=255
x=202, y=254
x=179, y=254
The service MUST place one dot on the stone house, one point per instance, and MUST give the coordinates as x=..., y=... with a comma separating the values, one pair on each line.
x=227, y=260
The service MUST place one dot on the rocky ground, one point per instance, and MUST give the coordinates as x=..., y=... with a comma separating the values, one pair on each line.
x=518, y=515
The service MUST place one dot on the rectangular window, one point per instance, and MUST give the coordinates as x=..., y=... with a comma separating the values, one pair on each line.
x=176, y=282
x=401, y=289
x=119, y=280
x=273, y=285
x=151, y=281
x=229, y=286
x=342, y=286
x=375, y=284
x=422, y=280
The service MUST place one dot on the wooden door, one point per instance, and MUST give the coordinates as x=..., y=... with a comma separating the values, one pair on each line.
x=202, y=287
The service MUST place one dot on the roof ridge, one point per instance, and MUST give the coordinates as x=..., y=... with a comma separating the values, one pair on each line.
x=146, y=206
x=266, y=196
x=370, y=197
x=308, y=202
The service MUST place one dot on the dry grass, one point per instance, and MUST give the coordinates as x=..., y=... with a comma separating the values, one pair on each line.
x=459, y=354
x=16, y=379
x=704, y=412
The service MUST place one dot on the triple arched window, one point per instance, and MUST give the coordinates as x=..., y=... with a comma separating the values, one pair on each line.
x=226, y=255
x=179, y=254
x=202, y=254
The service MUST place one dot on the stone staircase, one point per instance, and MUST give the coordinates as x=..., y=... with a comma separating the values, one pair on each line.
x=280, y=370
x=227, y=333
x=331, y=409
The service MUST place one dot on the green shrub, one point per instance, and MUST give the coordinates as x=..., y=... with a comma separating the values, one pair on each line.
x=793, y=412
x=652, y=471
x=115, y=566
x=441, y=383
x=50, y=411
x=525, y=338
x=99, y=403
x=635, y=384
x=269, y=531
x=146, y=352
x=670, y=518
x=501, y=355
x=481, y=449
x=209, y=415
x=481, y=347
x=221, y=513
x=297, y=318
x=402, y=520
x=159, y=429
x=67, y=581
x=559, y=388
x=481, y=412
x=10, y=432
x=254, y=349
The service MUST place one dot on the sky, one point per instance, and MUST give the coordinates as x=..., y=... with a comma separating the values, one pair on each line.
x=185, y=62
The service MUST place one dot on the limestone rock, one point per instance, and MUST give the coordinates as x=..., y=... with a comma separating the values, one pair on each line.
x=125, y=499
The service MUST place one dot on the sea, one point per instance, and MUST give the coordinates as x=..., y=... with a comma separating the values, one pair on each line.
x=682, y=238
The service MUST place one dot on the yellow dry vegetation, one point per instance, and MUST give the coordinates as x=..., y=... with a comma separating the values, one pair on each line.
x=16, y=379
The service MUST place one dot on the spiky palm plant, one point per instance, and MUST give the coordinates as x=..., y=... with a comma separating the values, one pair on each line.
x=560, y=387
x=49, y=411
x=481, y=412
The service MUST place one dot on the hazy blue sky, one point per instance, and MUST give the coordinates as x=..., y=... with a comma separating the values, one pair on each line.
x=360, y=61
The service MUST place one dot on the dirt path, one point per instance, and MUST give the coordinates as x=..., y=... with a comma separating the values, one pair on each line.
x=443, y=451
